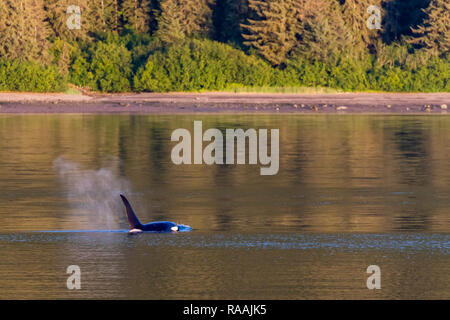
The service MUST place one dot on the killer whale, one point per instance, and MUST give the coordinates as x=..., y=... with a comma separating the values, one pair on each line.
x=159, y=226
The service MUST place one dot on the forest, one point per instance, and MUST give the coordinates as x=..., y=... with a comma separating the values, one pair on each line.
x=224, y=45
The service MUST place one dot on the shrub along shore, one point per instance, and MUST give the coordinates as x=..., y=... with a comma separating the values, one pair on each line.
x=203, y=65
x=152, y=46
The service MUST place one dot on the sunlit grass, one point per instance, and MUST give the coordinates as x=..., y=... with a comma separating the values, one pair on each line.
x=72, y=90
x=293, y=90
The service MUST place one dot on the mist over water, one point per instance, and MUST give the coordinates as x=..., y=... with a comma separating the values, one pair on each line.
x=93, y=192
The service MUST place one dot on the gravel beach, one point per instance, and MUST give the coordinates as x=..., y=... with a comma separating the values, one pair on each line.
x=181, y=103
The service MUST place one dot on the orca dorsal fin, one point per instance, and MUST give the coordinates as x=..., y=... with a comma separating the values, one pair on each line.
x=133, y=220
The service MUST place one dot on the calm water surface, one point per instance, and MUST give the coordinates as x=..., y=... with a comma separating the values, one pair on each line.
x=352, y=191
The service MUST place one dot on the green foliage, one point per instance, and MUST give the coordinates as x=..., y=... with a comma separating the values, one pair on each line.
x=433, y=77
x=201, y=65
x=310, y=74
x=61, y=52
x=136, y=14
x=165, y=45
x=23, y=30
x=273, y=32
x=402, y=73
x=324, y=34
x=346, y=74
x=57, y=17
x=141, y=45
x=80, y=73
x=103, y=66
x=349, y=75
x=111, y=67
x=184, y=18
x=434, y=34
x=30, y=76
x=355, y=16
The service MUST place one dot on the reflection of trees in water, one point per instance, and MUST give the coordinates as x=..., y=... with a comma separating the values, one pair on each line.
x=414, y=171
x=411, y=141
x=145, y=146
x=143, y=149
x=223, y=202
x=336, y=173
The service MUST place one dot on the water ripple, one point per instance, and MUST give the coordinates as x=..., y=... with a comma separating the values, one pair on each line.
x=295, y=241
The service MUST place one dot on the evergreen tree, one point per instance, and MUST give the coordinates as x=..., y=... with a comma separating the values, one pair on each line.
x=136, y=14
x=104, y=15
x=434, y=33
x=273, y=32
x=181, y=18
x=61, y=52
x=170, y=22
x=325, y=35
x=113, y=15
x=355, y=16
x=198, y=17
x=58, y=16
x=23, y=30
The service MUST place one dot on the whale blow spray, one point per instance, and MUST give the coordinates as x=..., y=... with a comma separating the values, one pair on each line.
x=94, y=192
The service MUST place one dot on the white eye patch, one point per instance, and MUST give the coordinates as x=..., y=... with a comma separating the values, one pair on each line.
x=174, y=228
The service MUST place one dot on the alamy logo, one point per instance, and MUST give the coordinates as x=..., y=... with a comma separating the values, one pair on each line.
x=374, y=281
x=74, y=280
x=213, y=153
x=374, y=21
x=74, y=20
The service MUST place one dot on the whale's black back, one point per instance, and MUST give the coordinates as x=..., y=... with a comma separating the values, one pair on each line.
x=158, y=226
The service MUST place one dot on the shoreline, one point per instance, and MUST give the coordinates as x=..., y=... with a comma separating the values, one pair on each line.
x=224, y=103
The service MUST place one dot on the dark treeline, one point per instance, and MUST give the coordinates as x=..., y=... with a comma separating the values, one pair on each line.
x=191, y=45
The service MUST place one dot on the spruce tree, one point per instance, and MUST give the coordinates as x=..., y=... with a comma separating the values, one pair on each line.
x=198, y=17
x=23, y=30
x=104, y=16
x=58, y=16
x=113, y=15
x=170, y=22
x=324, y=35
x=434, y=33
x=355, y=16
x=273, y=32
x=96, y=16
x=136, y=14
x=181, y=18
